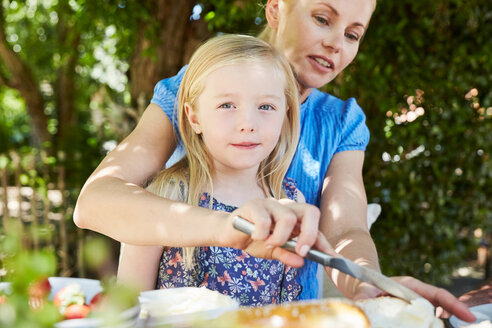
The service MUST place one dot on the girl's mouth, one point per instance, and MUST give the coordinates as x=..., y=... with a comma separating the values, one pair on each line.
x=246, y=145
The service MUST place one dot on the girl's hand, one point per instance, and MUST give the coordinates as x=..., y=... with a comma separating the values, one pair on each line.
x=439, y=297
x=277, y=221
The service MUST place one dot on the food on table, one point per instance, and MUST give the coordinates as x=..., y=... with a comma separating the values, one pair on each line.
x=389, y=312
x=38, y=292
x=322, y=313
x=96, y=300
x=76, y=311
x=68, y=295
x=175, y=301
x=483, y=324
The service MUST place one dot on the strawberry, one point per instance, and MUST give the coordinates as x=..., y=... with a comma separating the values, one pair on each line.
x=38, y=293
x=3, y=299
x=76, y=311
x=40, y=288
x=96, y=300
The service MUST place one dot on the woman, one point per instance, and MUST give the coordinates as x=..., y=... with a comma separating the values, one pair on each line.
x=319, y=39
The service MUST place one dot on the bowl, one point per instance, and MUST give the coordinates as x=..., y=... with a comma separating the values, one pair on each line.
x=91, y=287
x=183, y=305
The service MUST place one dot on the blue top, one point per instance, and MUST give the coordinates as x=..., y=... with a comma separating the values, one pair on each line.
x=328, y=126
x=250, y=280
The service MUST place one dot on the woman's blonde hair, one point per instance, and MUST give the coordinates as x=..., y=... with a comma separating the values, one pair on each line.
x=193, y=174
x=268, y=34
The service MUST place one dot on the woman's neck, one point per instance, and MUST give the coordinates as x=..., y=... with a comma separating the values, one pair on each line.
x=236, y=188
x=303, y=93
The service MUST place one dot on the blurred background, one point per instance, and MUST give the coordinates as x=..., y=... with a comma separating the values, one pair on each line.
x=75, y=76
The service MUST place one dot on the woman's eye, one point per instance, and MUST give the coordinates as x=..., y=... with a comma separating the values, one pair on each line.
x=227, y=106
x=321, y=20
x=353, y=37
x=266, y=107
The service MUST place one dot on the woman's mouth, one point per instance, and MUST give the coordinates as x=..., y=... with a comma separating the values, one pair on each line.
x=325, y=63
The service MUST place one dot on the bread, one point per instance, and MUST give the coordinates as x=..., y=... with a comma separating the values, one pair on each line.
x=390, y=312
x=321, y=313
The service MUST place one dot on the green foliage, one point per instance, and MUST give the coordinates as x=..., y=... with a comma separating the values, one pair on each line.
x=234, y=17
x=424, y=82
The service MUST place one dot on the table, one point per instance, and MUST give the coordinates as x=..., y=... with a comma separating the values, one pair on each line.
x=481, y=295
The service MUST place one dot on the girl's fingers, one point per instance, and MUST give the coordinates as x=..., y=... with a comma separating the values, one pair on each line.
x=308, y=216
x=257, y=213
x=285, y=220
x=277, y=221
x=324, y=246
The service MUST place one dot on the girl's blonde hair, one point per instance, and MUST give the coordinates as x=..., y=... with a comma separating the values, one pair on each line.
x=192, y=176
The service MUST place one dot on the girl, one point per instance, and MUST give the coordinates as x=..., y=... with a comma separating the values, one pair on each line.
x=238, y=113
x=319, y=38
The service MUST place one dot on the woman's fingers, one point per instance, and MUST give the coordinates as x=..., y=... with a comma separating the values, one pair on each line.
x=438, y=297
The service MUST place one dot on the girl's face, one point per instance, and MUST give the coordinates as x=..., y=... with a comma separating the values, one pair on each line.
x=319, y=38
x=240, y=114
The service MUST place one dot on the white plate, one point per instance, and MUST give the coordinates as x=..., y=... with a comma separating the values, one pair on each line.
x=90, y=287
x=183, y=305
x=482, y=312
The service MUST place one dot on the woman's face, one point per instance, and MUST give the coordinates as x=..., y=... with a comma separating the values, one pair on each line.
x=319, y=38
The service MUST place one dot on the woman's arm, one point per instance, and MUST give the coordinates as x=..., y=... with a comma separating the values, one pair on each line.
x=344, y=216
x=138, y=266
x=344, y=223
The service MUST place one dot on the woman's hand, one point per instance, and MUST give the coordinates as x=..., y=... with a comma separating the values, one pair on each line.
x=439, y=297
x=277, y=221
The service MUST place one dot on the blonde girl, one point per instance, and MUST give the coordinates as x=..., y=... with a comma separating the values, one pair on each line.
x=238, y=114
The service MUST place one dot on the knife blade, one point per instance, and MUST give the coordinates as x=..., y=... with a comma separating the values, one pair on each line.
x=342, y=264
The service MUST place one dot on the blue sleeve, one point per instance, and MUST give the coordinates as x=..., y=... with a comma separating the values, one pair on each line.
x=165, y=96
x=355, y=134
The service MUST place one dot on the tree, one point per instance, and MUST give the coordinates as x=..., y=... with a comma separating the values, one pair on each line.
x=15, y=73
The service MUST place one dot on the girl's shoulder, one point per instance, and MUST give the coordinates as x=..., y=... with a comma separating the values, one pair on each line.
x=289, y=186
x=171, y=183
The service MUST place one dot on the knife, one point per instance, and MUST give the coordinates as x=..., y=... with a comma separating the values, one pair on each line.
x=342, y=264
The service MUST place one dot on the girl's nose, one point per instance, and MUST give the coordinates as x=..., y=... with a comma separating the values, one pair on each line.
x=246, y=122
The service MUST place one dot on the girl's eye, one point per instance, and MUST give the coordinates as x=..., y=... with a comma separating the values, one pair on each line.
x=227, y=106
x=266, y=107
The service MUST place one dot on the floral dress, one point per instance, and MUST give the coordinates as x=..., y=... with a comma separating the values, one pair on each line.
x=250, y=280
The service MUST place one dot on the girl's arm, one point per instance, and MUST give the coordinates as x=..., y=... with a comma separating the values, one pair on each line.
x=138, y=266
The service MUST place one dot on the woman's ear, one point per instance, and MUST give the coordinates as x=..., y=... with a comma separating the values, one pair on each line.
x=192, y=118
x=271, y=13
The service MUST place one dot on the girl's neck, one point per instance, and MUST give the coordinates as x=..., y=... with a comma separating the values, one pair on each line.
x=236, y=188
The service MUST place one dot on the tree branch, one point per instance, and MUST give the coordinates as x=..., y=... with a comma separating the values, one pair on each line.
x=21, y=78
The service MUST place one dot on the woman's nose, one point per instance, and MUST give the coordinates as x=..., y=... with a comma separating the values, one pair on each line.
x=333, y=41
